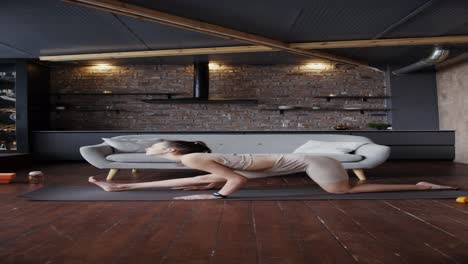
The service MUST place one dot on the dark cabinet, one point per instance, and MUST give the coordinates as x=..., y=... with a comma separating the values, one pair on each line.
x=22, y=83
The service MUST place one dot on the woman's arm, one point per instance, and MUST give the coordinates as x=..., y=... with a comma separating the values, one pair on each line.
x=212, y=185
x=234, y=181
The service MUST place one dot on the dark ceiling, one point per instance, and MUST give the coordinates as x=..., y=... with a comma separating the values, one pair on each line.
x=31, y=28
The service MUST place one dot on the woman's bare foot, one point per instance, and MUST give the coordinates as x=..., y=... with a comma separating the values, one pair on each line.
x=108, y=187
x=436, y=186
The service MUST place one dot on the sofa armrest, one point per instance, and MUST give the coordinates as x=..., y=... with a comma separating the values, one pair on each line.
x=373, y=154
x=96, y=155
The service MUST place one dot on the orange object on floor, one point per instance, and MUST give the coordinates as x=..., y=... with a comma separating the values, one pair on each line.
x=462, y=199
x=6, y=177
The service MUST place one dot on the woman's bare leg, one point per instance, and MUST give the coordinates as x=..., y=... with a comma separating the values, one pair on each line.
x=113, y=187
x=328, y=169
x=344, y=187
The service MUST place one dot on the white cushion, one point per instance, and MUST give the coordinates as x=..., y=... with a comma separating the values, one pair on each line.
x=138, y=157
x=136, y=145
x=314, y=146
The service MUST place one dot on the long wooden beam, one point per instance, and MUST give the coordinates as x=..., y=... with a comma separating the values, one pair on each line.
x=244, y=49
x=382, y=42
x=206, y=28
x=158, y=53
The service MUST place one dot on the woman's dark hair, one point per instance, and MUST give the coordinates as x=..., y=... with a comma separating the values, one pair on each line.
x=186, y=147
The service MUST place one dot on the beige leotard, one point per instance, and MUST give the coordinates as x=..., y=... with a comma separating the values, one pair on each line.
x=321, y=169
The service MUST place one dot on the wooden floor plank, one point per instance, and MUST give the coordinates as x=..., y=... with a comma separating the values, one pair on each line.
x=160, y=236
x=441, y=217
x=390, y=232
x=122, y=234
x=316, y=242
x=362, y=246
x=21, y=247
x=236, y=241
x=44, y=213
x=451, y=203
x=440, y=241
x=274, y=243
x=196, y=241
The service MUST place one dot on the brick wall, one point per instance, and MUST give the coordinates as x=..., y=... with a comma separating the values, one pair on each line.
x=272, y=85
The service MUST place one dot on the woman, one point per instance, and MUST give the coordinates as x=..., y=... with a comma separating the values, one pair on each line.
x=232, y=171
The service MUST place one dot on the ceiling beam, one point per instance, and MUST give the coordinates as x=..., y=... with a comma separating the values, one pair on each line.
x=382, y=42
x=157, y=53
x=202, y=27
x=246, y=49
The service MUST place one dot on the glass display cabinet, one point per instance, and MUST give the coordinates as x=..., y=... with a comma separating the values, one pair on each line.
x=8, y=108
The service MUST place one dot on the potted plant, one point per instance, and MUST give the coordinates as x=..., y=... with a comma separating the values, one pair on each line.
x=378, y=126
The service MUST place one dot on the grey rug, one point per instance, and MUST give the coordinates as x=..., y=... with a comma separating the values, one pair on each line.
x=57, y=192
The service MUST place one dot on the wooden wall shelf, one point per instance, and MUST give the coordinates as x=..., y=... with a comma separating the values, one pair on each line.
x=169, y=95
x=200, y=101
x=302, y=108
x=362, y=97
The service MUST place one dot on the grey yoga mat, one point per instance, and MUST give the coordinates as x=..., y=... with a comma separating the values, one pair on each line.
x=57, y=192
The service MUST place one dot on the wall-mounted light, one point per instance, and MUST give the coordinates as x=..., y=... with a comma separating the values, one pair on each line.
x=214, y=66
x=102, y=66
x=318, y=66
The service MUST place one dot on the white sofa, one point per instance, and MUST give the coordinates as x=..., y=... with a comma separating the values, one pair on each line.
x=103, y=156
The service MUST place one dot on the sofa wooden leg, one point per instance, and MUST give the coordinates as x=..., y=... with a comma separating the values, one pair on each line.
x=360, y=174
x=135, y=172
x=111, y=174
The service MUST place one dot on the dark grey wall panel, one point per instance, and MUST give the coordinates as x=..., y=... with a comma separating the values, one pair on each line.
x=444, y=17
x=423, y=152
x=348, y=20
x=268, y=18
x=7, y=52
x=414, y=100
x=54, y=27
x=66, y=146
x=159, y=36
x=294, y=20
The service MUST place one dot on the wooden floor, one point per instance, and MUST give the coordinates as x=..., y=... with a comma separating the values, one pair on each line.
x=220, y=231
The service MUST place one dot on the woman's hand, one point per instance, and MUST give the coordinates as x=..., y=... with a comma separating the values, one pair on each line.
x=197, y=197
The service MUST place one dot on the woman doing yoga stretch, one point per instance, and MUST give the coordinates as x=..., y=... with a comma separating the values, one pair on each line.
x=232, y=171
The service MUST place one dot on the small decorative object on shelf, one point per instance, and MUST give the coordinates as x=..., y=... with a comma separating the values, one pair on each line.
x=107, y=92
x=60, y=107
x=378, y=126
x=285, y=107
x=315, y=106
x=342, y=127
x=36, y=177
